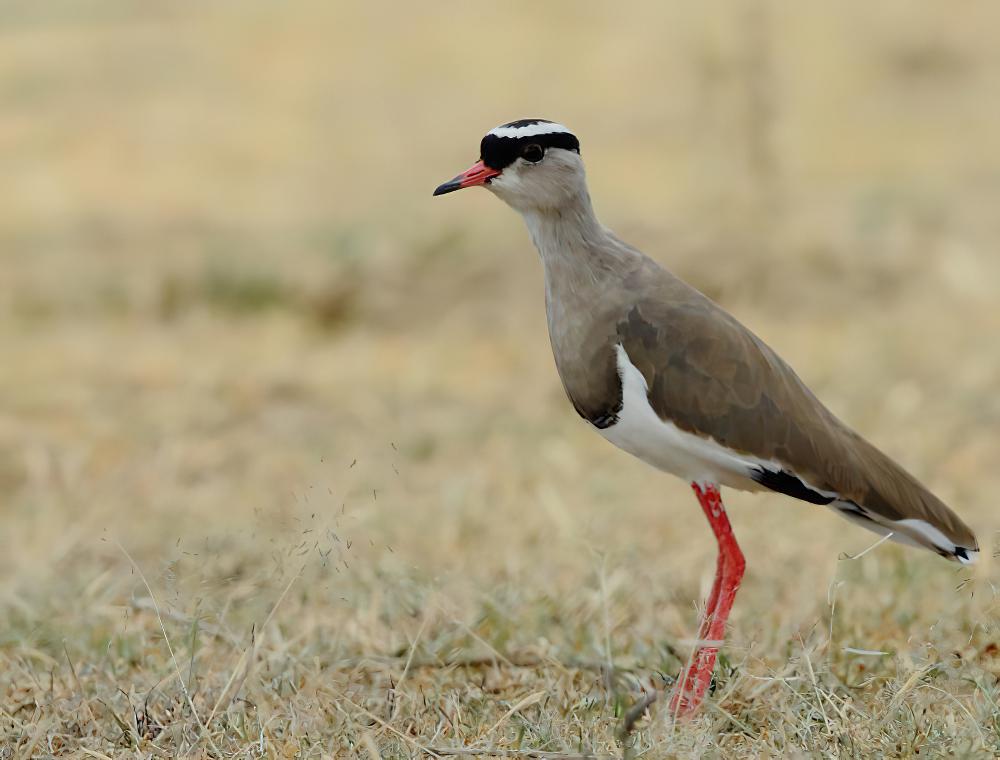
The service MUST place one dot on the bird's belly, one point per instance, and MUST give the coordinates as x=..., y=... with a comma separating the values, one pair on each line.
x=660, y=443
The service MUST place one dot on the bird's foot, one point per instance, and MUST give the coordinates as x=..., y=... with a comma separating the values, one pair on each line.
x=693, y=683
x=682, y=705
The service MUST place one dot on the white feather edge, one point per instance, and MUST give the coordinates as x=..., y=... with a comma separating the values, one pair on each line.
x=529, y=130
x=661, y=444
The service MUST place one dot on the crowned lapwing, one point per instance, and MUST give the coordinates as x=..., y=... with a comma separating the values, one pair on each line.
x=669, y=376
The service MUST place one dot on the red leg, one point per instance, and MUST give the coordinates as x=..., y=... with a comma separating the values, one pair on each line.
x=729, y=569
x=713, y=600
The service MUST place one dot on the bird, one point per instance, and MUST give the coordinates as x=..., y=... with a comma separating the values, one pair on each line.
x=666, y=374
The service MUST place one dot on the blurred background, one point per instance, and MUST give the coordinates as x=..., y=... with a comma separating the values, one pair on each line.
x=230, y=310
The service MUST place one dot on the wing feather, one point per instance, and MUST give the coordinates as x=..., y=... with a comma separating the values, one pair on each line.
x=711, y=376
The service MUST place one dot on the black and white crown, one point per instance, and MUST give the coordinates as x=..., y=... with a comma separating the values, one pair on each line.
x=503, y=144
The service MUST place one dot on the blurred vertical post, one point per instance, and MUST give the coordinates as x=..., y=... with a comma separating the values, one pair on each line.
x=759, y=90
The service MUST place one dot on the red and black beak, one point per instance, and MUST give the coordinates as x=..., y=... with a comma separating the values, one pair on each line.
x=477, y=174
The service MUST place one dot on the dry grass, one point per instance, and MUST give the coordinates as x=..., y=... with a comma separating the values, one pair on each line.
x=285, y=467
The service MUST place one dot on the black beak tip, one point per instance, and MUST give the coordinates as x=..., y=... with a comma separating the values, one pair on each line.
x=447, y=187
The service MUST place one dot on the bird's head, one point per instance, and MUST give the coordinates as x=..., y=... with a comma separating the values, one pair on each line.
x=533, y=165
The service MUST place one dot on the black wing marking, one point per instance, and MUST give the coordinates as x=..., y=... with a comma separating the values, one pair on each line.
x=788, y=484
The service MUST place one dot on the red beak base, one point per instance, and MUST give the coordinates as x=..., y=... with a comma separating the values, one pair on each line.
x=477, y=174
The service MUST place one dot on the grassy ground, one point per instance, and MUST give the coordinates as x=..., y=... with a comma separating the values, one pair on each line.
x=285, y=469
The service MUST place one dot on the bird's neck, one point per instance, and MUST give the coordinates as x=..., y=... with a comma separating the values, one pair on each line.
x=569, y=227
x=571, y=241
x=583, y=263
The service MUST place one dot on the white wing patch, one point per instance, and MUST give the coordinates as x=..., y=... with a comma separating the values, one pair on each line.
x=659, y=443
x=640, y=431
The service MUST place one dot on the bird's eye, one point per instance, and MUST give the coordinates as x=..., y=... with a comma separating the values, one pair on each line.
x=533, y=153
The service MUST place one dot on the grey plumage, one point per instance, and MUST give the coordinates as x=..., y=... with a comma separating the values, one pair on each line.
x=704, y=372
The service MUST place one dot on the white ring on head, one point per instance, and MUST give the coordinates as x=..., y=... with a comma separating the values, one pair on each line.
x=530, y=130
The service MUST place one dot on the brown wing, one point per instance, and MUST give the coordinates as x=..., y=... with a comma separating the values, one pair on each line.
x=711, y=376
